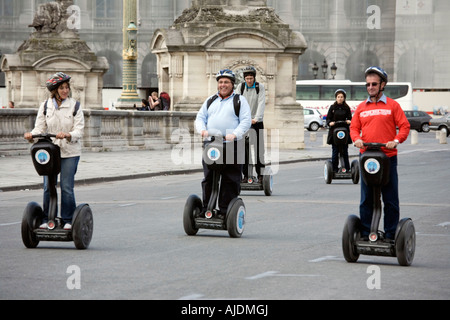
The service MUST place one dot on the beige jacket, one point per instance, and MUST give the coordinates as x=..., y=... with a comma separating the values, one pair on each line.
x=62, y=120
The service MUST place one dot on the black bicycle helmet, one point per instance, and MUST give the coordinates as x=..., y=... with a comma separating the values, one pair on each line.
x=56, y=80
x=377, y=70
x=226, y=73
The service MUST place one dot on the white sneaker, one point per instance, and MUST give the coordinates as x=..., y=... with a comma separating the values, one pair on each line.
x=67, y=226
x=43, y=226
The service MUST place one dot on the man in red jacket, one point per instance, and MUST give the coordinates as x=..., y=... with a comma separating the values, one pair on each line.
x=377, y=120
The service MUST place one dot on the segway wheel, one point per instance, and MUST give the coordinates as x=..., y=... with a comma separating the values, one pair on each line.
x=405, y=242
x=32, y=218
x=82, y=227
x=328, y=172
x=349, y=237
x=268, y=184
x=192, y=207
x=236, y=218
x=355, y=171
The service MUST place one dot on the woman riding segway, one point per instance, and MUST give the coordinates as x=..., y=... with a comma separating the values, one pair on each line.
x=60, y=121
x=338, y=119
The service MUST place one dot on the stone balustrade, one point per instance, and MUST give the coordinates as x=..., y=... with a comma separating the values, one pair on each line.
x=104, y=130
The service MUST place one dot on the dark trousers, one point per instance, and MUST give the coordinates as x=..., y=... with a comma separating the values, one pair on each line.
x=229, y=184
x=390, y=200
x=335, y=157
x=256, y=139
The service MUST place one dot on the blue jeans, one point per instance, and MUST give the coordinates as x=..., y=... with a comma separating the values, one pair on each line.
x=390, y=200
x=67, y=182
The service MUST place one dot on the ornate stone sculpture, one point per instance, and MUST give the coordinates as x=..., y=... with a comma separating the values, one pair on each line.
x=52, y=16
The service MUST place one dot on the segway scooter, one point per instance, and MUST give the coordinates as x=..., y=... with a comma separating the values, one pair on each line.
x=252, y=182
x=194, y=219
x=375, y=172
x=340, y=138
x=47, y=162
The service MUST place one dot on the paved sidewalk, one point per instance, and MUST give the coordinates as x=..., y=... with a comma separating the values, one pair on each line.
x=18, y=173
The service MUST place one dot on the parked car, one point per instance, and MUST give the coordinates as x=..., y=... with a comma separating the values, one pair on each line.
x=442, y=123
x=312, y=119
x=418, y=120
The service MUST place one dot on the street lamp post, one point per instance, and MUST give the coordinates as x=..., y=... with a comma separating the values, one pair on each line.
x=129, y=96
x=315, y=70
x=333, y=70
x=325, y=68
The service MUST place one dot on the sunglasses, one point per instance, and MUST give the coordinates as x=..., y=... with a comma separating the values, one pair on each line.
x=373, y=84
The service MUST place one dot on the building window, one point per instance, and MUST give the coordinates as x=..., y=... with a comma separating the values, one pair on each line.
x=105, y=8
x=6, y=8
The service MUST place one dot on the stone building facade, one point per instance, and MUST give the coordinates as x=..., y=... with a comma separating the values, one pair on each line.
x=407, y=37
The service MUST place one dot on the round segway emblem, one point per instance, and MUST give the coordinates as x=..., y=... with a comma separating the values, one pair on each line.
x=213, y=154
x=341, y=135
x=241, y=219
x=42, y=157
x=372, y=166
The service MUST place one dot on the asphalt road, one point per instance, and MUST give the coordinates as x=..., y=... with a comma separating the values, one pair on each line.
x=290, y=250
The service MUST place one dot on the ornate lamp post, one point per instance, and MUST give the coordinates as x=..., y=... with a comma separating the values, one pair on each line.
x=325, y=68
x=315, y=70
x=129, y=95
x=333, y=70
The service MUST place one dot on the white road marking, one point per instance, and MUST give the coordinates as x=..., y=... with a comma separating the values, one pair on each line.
x=326, y=258
x=277, y=274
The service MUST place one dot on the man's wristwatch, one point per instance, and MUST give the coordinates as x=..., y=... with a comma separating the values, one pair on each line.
x=396, y=141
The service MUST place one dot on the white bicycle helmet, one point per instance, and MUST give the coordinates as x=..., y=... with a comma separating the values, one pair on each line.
x=377, y=70
x=341, y=91
x=226, y=73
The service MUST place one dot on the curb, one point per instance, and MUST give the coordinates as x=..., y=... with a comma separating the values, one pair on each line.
x=90, y=181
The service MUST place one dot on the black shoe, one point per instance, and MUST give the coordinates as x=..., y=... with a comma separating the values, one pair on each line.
x=219, y=214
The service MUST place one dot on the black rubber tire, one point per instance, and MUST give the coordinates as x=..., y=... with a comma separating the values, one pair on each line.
x=32, y=218
x=405, y=242
x=349, y=237
x=355, y=171
x=192, y=203
x=82, y=227
x=236, y=218
x=268, y=184
x=328, y=172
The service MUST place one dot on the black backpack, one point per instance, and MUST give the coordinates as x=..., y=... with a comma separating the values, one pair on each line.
x=236, y=101
x=75, y=111
x=256, y=87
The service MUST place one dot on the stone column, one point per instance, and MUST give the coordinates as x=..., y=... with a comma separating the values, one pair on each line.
x=129, y=96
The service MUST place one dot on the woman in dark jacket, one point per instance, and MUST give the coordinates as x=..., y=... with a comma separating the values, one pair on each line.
x=339, y=111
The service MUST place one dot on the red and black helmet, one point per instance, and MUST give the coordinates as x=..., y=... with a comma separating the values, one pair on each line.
x=56, y=80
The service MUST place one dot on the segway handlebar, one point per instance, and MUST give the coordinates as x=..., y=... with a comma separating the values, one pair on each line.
x=374, y=144
x=340, y=122
x=45, y=136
